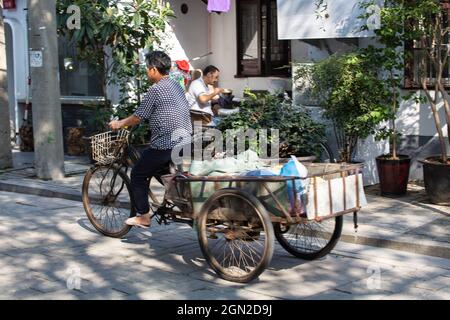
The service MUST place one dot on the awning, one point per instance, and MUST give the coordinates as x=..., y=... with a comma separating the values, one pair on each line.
x=298, y=19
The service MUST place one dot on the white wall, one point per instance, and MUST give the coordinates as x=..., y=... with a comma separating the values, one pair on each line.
x=299, y=20
x=191, y=32
x=416, y=118
x=16, y=20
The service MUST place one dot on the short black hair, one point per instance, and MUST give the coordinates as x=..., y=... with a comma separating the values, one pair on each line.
x=160, y=61
x=210, y=69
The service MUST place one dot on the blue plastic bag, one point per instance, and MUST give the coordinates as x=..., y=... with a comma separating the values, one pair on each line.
x=295, y=169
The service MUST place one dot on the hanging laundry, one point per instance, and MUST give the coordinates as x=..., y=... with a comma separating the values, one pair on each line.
x=219, y=5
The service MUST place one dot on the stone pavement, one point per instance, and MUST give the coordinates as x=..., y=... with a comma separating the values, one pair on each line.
x=408, y=223
x=49, y=250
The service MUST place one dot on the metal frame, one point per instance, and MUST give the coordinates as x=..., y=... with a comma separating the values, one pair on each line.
x=183, y=200
x=184, y=181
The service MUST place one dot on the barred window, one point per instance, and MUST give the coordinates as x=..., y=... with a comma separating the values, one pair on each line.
x=260, y=53
x=415, y=53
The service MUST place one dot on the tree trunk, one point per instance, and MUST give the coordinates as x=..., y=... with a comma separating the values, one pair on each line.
x=446, y=108
x=394, y=125
x=437, y=120
x=47, y=117
x=5, y=126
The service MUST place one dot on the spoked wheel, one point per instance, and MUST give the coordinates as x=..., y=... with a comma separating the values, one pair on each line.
x=311, y=240
x=107, y=200
x=236, y=235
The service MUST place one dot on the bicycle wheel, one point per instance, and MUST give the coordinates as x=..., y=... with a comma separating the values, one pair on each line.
x=326, y=155
x=107, y=200
x=236, y=235
x=310, y=240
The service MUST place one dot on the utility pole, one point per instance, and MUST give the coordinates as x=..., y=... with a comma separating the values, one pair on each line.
x=5, y=126
x=46, y=98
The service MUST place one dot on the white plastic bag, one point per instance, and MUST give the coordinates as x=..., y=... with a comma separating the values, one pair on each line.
x=324, y=206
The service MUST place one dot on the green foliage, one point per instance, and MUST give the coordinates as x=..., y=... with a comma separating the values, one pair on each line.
x=99, y=119
x=353, y=95
x=423, y=22
x=110, y=40
x=299, y=133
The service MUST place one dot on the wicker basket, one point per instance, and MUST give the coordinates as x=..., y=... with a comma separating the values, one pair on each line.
x=107, y=146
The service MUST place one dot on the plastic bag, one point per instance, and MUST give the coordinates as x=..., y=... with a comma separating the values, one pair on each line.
x=245, y=161
x=295, y=169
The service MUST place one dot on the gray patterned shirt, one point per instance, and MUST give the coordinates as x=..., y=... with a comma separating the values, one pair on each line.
x=166, y=108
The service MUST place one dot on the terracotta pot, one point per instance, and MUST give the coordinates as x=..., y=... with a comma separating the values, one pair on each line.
x=437, y=180
x=393, y=174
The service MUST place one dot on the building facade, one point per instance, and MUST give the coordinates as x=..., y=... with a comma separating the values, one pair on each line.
x=252, y=45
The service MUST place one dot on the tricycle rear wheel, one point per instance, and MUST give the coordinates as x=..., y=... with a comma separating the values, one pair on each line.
x=236, y=235
x=310, y=240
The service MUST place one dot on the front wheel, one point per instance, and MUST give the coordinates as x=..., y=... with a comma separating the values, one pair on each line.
x=107, y=200
x=310, y=240
x=236, y=235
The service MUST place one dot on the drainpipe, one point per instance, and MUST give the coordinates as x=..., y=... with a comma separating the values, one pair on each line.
x=209, y=33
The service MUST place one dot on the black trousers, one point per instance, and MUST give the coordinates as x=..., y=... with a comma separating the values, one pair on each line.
x=152, y=161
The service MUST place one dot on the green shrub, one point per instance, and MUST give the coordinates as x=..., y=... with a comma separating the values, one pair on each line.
x=299, y=134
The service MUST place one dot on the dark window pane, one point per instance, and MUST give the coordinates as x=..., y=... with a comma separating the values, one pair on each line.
x=82, y=80
x=279, y=55
x=249, y=38
x=260, y=51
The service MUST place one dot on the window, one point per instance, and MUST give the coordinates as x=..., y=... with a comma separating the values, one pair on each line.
x=260, y=53
x=82, y=80
x=415, y=53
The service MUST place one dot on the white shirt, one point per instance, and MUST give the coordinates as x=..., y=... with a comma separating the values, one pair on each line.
x=196, y=89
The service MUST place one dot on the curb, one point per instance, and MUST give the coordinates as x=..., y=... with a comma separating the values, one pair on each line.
x=48, y=193
x=427, y=250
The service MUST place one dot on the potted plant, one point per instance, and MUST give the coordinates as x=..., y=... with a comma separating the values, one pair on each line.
x=423, y=24
x=393, y=168
x=352, y=95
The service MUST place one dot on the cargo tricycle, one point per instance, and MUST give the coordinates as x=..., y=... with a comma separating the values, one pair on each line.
x=237, y=218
